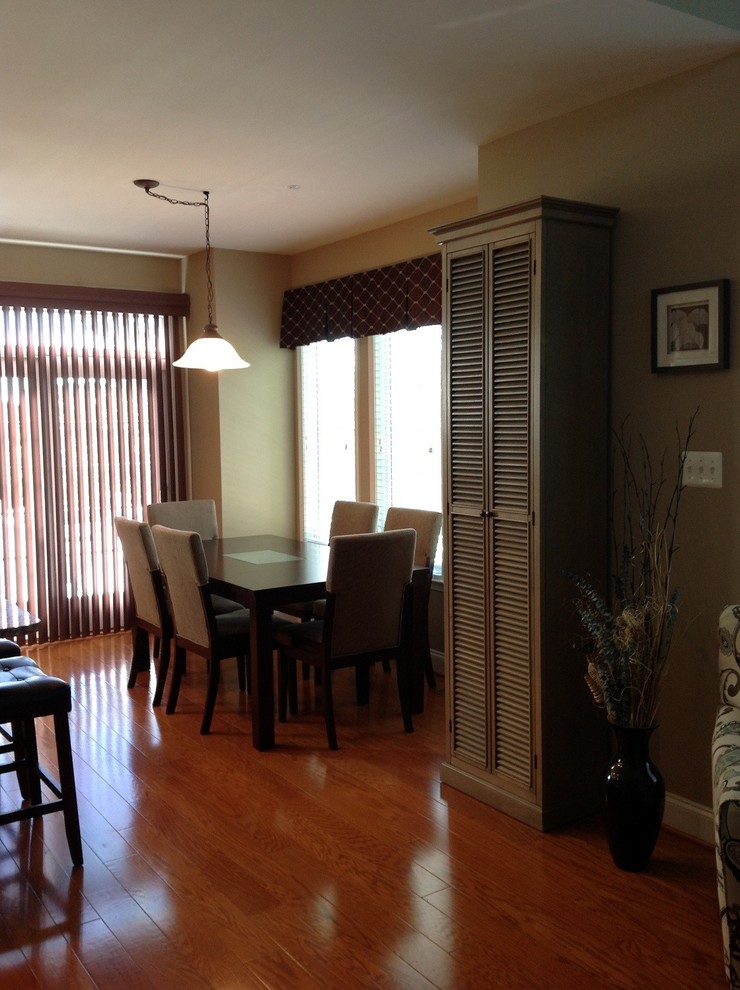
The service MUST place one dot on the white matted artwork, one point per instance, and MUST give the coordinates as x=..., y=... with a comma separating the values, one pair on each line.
x=691, y=326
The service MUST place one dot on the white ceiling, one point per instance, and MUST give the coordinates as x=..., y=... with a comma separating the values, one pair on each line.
x=307, y=120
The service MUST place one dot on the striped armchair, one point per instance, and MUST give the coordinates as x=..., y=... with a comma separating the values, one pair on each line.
x=726, y=790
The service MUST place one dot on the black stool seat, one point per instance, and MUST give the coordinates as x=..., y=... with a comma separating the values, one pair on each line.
x=27, y=693
x=8, y=648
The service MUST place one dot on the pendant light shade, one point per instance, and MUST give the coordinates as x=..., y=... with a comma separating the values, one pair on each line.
x=210, y=352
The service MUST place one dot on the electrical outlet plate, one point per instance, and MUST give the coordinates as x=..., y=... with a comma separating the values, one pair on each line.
x=702, y=469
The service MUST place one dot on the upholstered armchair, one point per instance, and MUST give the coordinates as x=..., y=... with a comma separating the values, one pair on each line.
x=726, y=790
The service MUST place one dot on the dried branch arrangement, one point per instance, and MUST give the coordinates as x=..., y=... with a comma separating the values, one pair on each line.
x=628, y=641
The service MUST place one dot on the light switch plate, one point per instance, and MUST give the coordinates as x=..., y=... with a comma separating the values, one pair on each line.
x=702, y=469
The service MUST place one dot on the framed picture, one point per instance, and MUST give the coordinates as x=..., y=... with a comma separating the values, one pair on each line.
x=691, y=326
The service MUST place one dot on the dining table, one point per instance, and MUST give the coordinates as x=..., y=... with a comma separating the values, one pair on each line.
x=264, y=572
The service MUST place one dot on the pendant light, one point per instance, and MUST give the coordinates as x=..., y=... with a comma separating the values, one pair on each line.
x=210, y=352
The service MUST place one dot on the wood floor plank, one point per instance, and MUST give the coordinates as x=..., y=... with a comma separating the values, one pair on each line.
x=209, y=866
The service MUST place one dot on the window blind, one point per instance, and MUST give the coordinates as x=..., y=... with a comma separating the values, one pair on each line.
x=90, y=428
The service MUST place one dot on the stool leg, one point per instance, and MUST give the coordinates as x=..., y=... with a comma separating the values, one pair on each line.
x=67, y=787
x=25, y=751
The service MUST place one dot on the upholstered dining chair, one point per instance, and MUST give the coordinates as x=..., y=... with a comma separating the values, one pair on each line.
x=195, y=515
x=197, y=627
x=150, y=614
x=347, y=518
x=428, y=525
x=367, y=618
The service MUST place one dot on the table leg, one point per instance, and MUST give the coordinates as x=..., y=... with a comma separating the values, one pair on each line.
x=263, y=696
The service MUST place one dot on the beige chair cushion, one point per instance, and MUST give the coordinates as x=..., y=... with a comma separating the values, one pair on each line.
x=185, y=570
x=140, y=556
x=353, y=517
x=428, y=526
x=195, y=515
x=367, y=574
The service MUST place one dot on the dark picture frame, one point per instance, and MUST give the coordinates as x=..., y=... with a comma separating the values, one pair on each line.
x=691, y=326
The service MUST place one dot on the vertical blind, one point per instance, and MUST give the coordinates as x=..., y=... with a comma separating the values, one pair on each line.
x=90, y=428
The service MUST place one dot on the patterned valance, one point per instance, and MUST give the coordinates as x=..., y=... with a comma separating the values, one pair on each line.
x=397, y=297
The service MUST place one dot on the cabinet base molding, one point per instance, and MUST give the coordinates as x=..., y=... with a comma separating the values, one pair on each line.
x=538, y=816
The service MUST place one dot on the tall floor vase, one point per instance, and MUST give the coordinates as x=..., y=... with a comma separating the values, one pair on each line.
x=632, y=800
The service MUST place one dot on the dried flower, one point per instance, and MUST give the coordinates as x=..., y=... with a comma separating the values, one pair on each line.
x=628, y=640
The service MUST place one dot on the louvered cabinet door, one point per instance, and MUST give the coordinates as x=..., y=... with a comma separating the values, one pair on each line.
x=467, y=490
x=510, y=455
x=527, y=414
x=488, y=497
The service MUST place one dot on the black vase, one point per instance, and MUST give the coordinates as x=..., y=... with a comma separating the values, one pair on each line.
x=632, y=800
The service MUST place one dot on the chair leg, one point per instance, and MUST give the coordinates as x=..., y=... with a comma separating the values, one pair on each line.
x=293, y=687
x=164, y=663
x=282, y=671
x=67, y=787
x=287, y=687
x=140, y=659
x=405, y=690
x=213, y=679
x=362, y=683
x=241, y=669
x=331, y=729
x=176, y=678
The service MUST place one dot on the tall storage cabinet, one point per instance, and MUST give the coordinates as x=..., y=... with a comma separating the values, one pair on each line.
x=526, y=314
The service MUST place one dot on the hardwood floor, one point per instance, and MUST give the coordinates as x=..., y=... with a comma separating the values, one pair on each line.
x=209, y=865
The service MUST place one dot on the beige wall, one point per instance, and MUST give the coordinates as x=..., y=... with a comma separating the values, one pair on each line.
x=100, y=269
x=668, y=156
x=385, y=246
x=256, y=405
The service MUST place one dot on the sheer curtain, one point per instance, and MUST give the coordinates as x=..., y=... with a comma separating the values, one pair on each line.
x=90, y=428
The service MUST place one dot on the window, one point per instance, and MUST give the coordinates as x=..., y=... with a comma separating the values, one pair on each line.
x=89, y=429
x=371, y=424
x=408, y=419
x=328, y=432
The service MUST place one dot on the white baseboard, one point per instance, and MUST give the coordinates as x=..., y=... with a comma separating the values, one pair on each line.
x=689, y=817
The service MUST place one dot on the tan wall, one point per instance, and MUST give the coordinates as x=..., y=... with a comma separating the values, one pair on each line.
x=256, y=405
x=101, y=269
x=385, y=246
x=202, y=408
x=668, y=156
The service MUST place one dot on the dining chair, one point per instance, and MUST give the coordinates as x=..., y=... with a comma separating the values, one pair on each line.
x=197, y=627
x=150, y=614
x=428, y=525
x=347, y=519
x=367, y=618
x=195, y=515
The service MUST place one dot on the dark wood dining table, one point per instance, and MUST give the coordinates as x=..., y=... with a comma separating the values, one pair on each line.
x=262, y=573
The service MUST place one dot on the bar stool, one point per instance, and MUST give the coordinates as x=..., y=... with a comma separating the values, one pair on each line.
x=9, y=648
x=27, y=693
